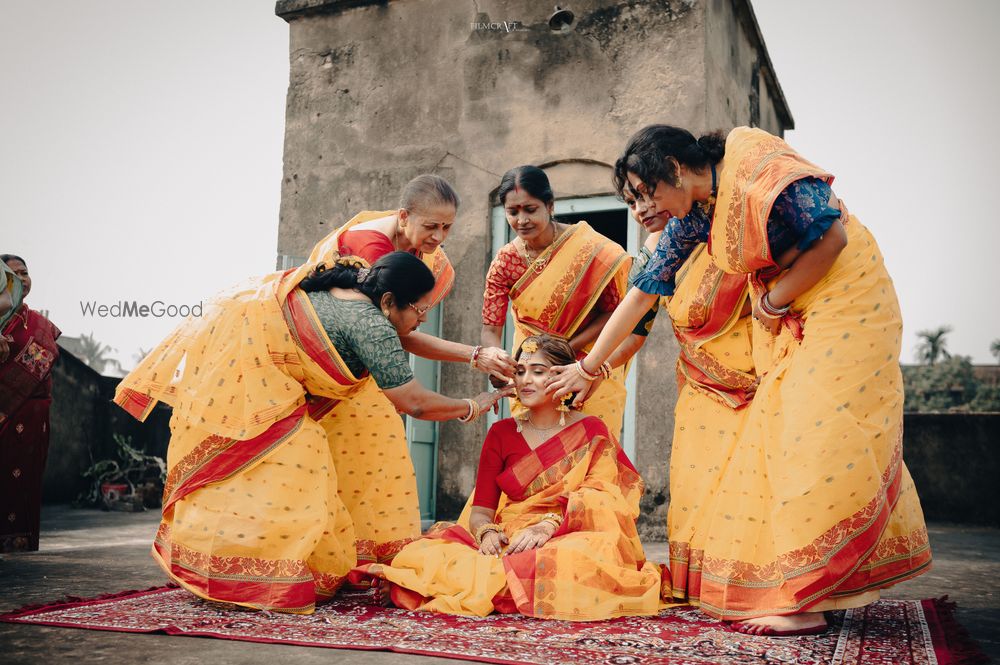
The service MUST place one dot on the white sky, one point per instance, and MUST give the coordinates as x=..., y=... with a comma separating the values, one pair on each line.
x=142, y=148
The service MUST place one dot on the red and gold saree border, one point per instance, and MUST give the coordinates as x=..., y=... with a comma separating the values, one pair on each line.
x=757, y=168
x=549, y=462
x=578, y=267
x=308, y=333
x=286, y=585
x=847, y=559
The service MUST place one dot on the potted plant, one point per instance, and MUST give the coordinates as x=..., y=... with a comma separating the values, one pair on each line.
x=129, y=481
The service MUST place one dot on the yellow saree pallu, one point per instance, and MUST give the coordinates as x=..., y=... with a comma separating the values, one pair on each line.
x=251, y=514
x=593, y=567
x=558, y=299
x=377, y=482
x=816, y=509
x=716, y=381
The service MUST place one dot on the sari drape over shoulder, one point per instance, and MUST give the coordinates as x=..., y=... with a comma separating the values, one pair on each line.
x=579, y=265
x=25, y=398
x=592, y=568
x=813, y=507
x=377, y=482
x=251, y=513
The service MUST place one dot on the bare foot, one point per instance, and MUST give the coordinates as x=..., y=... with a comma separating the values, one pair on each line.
x=804, y=623
x=380, y=593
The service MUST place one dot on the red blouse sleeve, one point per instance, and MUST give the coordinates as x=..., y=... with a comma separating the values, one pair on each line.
x=609, y=298
x=506, y=268
x=369, y=245
x=490, y=466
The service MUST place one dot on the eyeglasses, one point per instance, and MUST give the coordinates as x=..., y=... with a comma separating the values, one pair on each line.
x=419, y=310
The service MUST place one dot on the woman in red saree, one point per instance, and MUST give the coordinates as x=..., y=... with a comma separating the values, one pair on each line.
x=25, y=398
x=563, y=546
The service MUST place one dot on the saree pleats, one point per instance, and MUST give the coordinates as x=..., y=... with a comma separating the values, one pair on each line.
x=716, y=379
x=579, y=265
x=592, y=568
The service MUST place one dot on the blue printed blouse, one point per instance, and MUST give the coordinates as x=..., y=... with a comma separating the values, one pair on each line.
x=800, y=214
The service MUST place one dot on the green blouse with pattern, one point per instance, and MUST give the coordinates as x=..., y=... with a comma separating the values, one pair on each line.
x=365, y=339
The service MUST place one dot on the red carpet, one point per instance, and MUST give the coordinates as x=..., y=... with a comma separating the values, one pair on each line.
x=886, y=633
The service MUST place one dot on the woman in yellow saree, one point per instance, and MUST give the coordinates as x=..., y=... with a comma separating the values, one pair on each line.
x=710, y=316
x=251, y=511
x=420, y=225
x=564, y=546
x=815, y=509
x=560, y=279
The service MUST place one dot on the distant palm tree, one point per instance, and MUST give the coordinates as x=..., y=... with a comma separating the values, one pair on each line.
x=95, y=354
x=995, y=349
x=932, y=345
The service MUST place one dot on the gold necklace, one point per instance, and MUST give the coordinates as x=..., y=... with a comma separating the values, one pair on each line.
x=537, y=264
x=540, y=429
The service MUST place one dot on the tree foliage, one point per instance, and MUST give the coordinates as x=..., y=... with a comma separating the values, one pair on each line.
x=948, y=386
x=932, y=346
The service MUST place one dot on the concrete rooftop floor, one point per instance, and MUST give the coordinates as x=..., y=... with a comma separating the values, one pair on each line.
x=88, y=552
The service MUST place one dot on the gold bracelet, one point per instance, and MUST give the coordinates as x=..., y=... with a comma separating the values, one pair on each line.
x=484, y=529
x=554, y=518
x=474, y=411
x=587, y=376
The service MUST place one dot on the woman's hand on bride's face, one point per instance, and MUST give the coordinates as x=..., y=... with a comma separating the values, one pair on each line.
x=496, y=362
x=565, y=379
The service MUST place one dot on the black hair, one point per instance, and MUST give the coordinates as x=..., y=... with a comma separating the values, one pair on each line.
x=648, y=155
x=529, y=178
x=12, y=257
x=426, y=191
x=402, y=274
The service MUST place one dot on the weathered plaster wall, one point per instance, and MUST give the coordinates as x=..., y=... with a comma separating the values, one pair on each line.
x=740, y=86
x=380, y=92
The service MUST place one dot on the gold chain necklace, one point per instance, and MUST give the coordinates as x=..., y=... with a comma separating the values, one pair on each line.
x=537, y=264
x=540, y=429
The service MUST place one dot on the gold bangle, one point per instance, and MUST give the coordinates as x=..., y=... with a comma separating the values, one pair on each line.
x=587, y=376
x=474, y=411
x=484, y=529
x=554, y=518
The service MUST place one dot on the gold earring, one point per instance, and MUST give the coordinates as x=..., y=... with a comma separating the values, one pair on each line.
x=679, y=182
x=563, y=409
x=385, y=312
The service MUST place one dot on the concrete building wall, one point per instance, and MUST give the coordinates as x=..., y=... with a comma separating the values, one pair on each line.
x=382, y=91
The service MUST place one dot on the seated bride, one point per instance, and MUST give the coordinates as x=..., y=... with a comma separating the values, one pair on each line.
x=551, y=533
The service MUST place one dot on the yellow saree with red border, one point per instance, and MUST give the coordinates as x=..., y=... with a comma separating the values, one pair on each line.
x=814, y=508
x=715, y=384
x=592, y=568
x=560, y=297
x=251, y=513
x=368, y=438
